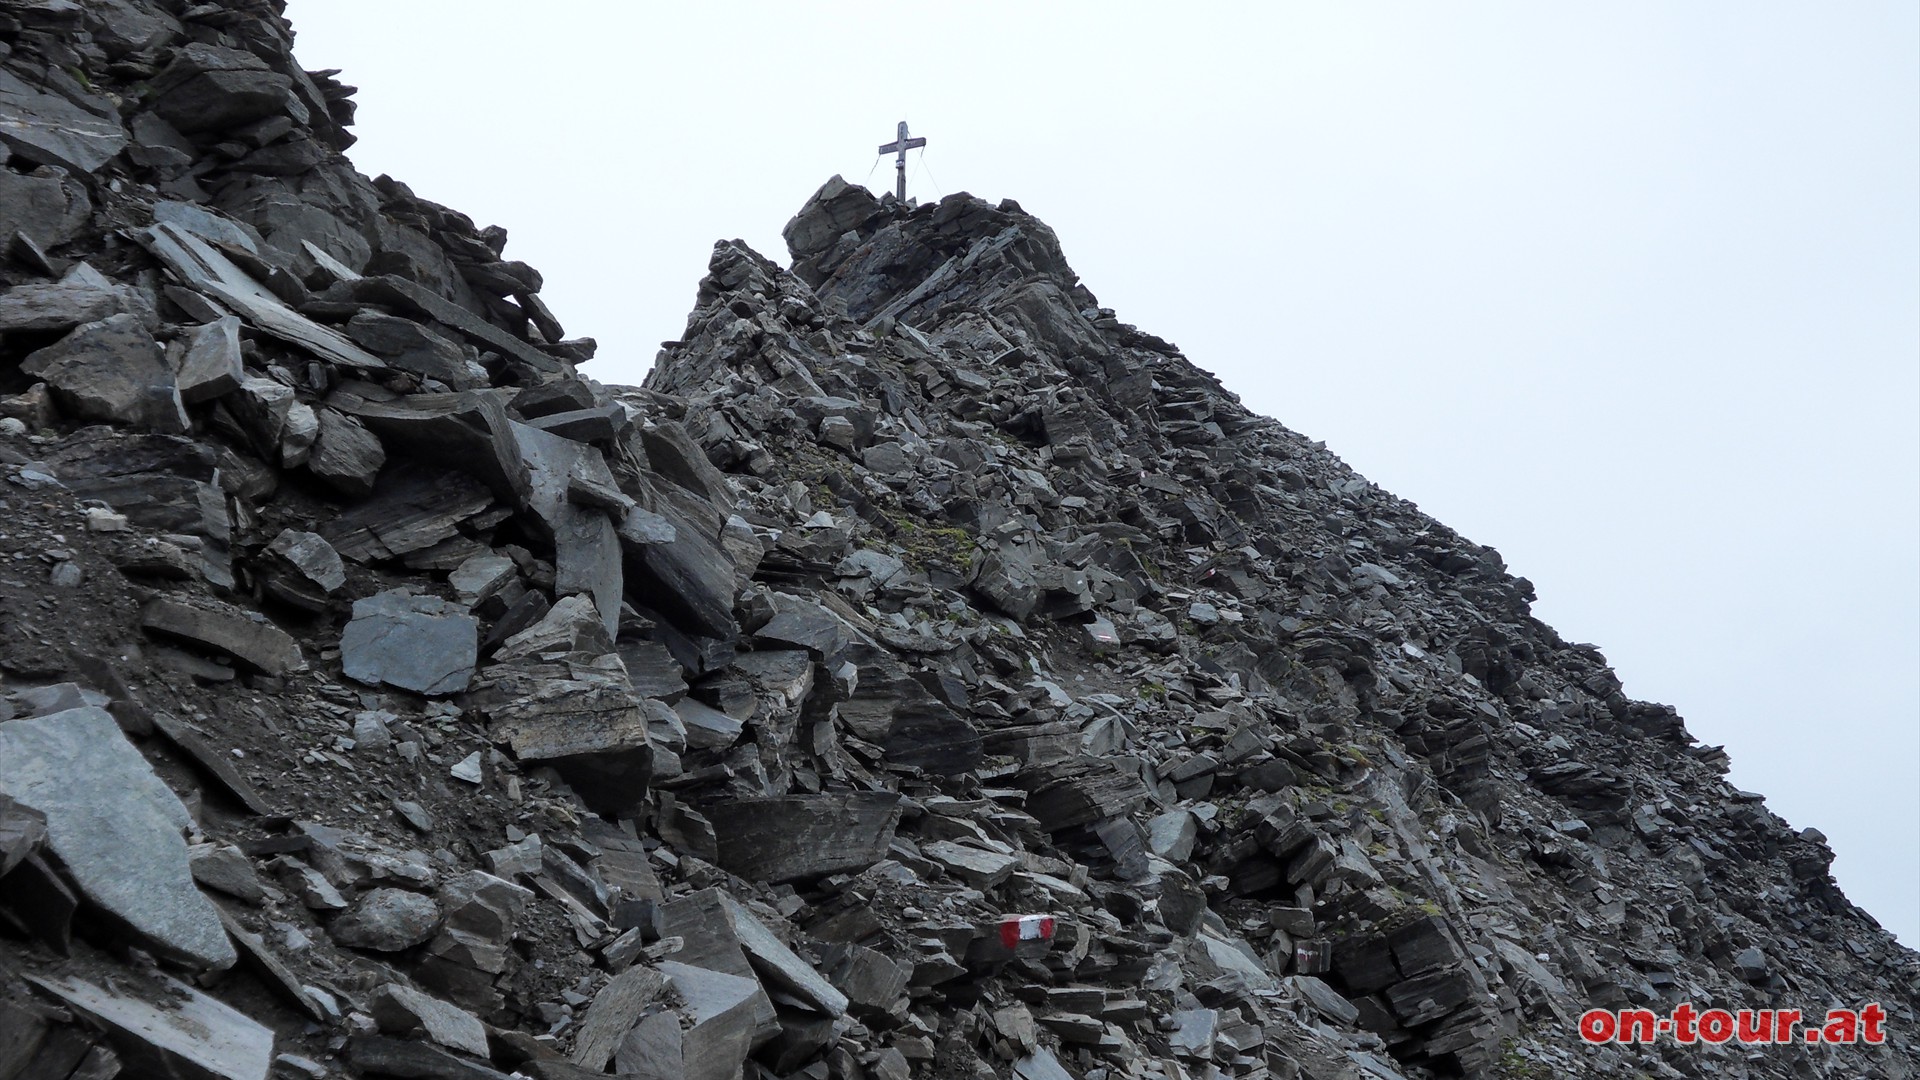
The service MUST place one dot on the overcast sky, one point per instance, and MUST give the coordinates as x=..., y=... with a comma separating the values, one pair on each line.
x=1629, y=291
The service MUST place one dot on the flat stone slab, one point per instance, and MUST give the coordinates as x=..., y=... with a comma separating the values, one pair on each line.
x=225, y=629
x=189, y=1029
x=82, y=296
x=721, y=1007
x=795, y=837
x=117, y=828
x=401, y=1010
x=419, y=643
x=51, y=130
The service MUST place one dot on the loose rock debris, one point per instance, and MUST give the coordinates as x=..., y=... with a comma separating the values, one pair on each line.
x=923, y=673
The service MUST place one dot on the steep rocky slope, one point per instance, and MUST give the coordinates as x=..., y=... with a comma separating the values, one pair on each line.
x=378, y=696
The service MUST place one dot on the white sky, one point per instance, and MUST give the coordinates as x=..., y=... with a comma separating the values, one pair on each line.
x=1629, y=291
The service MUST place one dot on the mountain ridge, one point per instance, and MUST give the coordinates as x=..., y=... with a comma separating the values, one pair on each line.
x=715, y=726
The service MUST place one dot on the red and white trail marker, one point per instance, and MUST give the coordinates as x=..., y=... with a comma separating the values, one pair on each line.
x=1015, y=929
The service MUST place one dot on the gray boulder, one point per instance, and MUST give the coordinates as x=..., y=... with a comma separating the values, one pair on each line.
x=418, y=643
x=111, y=370
x=387, y=920
x=116, y=827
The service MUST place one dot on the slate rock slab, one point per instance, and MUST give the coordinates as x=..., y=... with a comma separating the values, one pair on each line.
x=111, y=370
x=82, y=296
x=116, y=827
x=795, y=837
x=721, y=1007
x=225, y=629
x=418, y=643
x=50, y=130
x=206, y=363
x=401, y=1010
x=49, y=211
x=173, y=1031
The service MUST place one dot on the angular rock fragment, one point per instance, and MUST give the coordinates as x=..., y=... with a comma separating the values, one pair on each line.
x=81, y=296
x=381, y=1055
x=210, y=88
x=201, y=266
x=468, y=431
x=409, y=346
x=44, y=207
x=418, y=643
x=797, y=837
x=587, y=557
x=307, y=570
x=386, y=920
x=226, y=630
x=206, y=362
x=111, y=370
x=170, y=1029
x=722, y=1032
x=583, y=720
x=707, y=728
x=615, y=1010
x=346, y=455
x=51, y=130
x=402, y=1010
x=412, y=509
x=115, y=827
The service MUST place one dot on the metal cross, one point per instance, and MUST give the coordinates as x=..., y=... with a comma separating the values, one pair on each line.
x=900, y=146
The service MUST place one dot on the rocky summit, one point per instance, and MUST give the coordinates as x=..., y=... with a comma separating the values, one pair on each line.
x=923, y=674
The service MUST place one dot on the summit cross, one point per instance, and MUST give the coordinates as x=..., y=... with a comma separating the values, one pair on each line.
x=900, y=146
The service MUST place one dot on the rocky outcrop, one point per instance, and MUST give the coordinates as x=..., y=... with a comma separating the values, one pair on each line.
x=923, y=673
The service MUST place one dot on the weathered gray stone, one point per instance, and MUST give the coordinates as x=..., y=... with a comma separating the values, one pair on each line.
x=346, y=455
x=653, y=1049
x=226, y=869
x=23, y=830
x=615, y=1010
x=687, y=578
x=571, y=626
x=978, y=868
x=1194, y=1032
x=777, y=965
x=202, y=267
x=115, y=826
x=468, y=431
x=707, y=727
x=721, y=1008
x=409, y=346
x=584, y=720
x=169, y=1028
x=402, y=1010
x=46, y=209
x=386, y=920
x=1325, y=999
x=81, y=296
x=227, y=630
x=480, y=577
x=587, y=556
x=418, y=643
x=796, y=837
x=206, y=362
x=306, y=571
x=1172, y=835
x=50, y=130
x=111, y=370
x=383, y=1055
x=406, y=297
x=210, y=88
x=600, y=424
